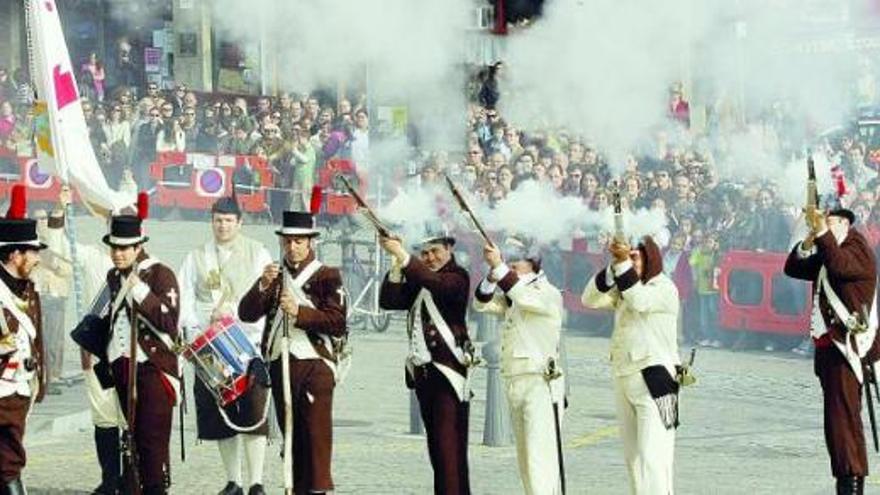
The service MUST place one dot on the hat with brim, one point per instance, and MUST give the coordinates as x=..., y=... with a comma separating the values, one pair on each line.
x=20, y=233
x=843, y=213
x=521, y=249
x=440, y=239
x=125, y=230
x=298, y=224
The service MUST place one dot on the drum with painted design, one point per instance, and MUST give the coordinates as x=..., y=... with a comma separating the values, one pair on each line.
x=221, y=356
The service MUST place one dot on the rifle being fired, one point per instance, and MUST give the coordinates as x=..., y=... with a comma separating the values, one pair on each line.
x=812, y=189
x=459, y=198
x=617, y=204
x=365, y=209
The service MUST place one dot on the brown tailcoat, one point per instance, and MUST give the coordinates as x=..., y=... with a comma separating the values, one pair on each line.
x=852, y=275
x=324, y=289
x=161, y=309
x=450, y=288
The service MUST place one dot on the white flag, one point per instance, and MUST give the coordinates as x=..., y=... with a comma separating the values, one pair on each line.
x=63, y=144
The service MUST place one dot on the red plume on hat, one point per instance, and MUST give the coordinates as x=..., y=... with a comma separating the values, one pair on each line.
x=143, y=205
x=317, y=199
x=17, y=203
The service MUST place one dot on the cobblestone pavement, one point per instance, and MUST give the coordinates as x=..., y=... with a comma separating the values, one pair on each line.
x=751, y=425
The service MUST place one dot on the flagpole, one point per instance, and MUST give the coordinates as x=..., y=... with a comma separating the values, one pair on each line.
x=70, y=225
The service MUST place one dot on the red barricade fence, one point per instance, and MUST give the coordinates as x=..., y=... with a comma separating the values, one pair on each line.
x=754, y=295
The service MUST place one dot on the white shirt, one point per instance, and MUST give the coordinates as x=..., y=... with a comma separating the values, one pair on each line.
x=249, y=259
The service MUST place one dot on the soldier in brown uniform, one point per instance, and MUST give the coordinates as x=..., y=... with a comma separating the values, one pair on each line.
x=22, y=374
x=311, y=297
x=151, y=288
x=434, y=289
x=841, y=265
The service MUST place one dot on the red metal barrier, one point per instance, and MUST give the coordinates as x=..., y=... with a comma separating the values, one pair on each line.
x=193, y=181
x=42, y=187
x=756, y=296
x=338, y=202
x=569, y=270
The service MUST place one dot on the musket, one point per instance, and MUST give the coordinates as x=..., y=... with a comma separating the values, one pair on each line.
x=365, y=209
x=459, y=198
x=287, y=395
x=617, y=204
x=130, y=447
x=812, y=189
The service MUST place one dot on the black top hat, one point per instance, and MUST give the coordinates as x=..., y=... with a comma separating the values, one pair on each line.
x=19, y=232
x=125, y=230
x=844, y=213
x=298, y=223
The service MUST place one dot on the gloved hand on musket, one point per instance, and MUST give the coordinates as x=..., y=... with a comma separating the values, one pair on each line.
x=493, y=258
x=394, y=247
x=815, y=220
x=619, y=250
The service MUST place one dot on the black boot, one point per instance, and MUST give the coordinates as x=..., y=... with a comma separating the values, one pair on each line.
x=850, y=485
x=155, y=490
x=14, y=487
x=256, y=489
x=107, y=448
x=231, y=489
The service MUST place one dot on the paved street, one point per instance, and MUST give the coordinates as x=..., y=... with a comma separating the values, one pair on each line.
x=752, y=424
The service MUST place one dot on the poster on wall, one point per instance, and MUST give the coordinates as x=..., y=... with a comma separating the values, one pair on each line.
x=152, y=59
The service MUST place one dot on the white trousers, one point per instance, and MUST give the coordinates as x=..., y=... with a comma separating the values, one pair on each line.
x=648, y=447
x=534, y=427
x=105, y=408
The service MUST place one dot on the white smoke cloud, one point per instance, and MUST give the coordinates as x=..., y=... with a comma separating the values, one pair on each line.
x=604, y=68
x=406, y=53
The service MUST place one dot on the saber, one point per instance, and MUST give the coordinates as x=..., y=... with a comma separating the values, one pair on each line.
x=871, y=379
x=365, y=209
x=553, y=373
x=459, y=198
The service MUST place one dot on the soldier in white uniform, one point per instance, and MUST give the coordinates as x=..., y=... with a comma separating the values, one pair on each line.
x=644, y=360
x=532, y=309
x=213, y=278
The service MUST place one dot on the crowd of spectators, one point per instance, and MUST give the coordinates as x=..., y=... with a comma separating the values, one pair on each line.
x=676, y=172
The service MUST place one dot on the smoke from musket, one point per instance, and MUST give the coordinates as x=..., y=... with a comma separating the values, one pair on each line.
x=405, y=53
x=603, y=68
x=533, y=210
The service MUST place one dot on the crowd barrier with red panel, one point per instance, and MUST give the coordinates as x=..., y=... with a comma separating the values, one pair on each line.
x=756, y=296
x=41, y=186
x=193, y=181
x=570, y=270
x=336, y=200
x=580, y=266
